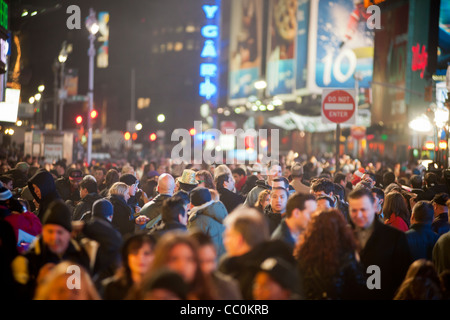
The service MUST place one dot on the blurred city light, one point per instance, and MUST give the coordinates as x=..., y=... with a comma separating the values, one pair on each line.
x=161, y=118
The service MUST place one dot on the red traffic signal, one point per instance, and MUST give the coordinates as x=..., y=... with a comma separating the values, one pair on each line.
x=127, y=136
x=153, y=137
x=79, y=119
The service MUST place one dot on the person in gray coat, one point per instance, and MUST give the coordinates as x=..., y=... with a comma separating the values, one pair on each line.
x=207, y=215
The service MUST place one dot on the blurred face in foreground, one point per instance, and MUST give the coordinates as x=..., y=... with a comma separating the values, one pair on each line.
x=207, y=256
x=182, y=260
x=56, y=238
x=141, y=260
x=362, y=211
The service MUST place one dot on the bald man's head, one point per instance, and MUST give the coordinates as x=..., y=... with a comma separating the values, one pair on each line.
x=166, y=184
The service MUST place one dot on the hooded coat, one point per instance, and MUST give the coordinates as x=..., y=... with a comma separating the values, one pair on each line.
x=46, y=184
x=208, y=218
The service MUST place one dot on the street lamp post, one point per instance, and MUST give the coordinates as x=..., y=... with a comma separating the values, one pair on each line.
x=93, y=28
x=62, y=58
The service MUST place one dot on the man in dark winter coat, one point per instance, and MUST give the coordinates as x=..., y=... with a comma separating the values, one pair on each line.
x=381, y=245
x=440, y=223
x=56, y=244
x=67, y=187
x=43, y=189
x=421, y=239
x=173, y=217
x=276, y=209
x=299, y=209
x=247, y=243
x=225, y=187
x=432, y=187
x=88, y=195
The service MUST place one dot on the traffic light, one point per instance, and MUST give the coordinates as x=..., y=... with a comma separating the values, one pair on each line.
x=127, y=136
x=79, y=120
x=94, y=114
x=153, y=136
x=134, y=136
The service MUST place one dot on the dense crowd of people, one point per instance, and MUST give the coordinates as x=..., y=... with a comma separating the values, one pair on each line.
x=295, y=230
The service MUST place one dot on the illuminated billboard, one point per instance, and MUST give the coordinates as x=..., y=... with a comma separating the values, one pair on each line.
x=245, y=49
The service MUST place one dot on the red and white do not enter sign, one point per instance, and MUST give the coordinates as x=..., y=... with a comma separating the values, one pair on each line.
x=338, y=106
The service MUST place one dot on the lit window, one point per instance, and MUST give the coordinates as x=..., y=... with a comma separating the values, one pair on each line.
x=162, y=48
x=169, y=46
x=190, y=28
x=178, y=46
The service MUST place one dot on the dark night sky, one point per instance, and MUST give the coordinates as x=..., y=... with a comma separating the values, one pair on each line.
x=130, y=28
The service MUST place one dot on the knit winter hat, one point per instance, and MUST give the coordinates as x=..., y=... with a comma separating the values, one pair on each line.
x=102, y=208
x=169, y=280
x=199, y=196
x=58, y=213
x=5, y=194
x=128, y=179
x=281, y=272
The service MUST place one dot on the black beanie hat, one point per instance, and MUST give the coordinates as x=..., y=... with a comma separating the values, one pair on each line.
x=169, y=280
x=281, y=272
x=199, y=196
x=102, y=208
x=128, y=179
x=58, y=213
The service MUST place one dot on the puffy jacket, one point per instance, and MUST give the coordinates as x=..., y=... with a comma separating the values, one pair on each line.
x=209, y=219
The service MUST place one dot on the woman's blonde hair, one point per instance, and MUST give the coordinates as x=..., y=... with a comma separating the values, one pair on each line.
x=118, y=188
x=46, y=286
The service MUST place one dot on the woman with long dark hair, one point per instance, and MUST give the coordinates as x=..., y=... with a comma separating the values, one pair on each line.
x=327, y=259
x=179, y=252
x=137, y=259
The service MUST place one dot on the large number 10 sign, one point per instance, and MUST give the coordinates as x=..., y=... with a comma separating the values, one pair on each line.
x=334, y=68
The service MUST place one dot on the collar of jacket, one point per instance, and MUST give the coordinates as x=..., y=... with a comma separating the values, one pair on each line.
x=421, y=226
x=195, y=210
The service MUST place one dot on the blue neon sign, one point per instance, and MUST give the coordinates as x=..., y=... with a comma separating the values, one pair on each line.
x=209, y=54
